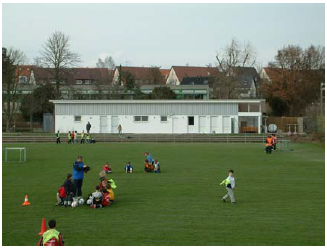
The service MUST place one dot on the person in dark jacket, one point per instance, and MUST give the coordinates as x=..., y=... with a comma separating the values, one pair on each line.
x=69, y=188
x=78, y=176
x=88, y=127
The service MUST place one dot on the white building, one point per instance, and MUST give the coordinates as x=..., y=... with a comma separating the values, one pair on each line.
x=159, y=116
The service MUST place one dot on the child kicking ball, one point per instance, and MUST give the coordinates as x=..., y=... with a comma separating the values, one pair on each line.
x=230, y=186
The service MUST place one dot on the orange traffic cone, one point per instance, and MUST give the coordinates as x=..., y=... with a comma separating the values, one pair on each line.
x=43, y=227
x=26, y=202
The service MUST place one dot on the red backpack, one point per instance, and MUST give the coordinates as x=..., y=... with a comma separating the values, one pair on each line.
x=62, y=191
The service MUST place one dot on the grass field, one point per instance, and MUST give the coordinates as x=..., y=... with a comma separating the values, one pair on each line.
x=280, y=197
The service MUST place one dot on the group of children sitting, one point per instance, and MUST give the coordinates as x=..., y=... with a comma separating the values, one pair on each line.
x=104, y=194
x=150, y=165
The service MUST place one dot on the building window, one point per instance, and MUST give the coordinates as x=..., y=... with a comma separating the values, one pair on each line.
x=79, y=81
x=191, y=120
x=163, y=118
x=141, y=118
x=78, y=118
x=87, y=81
x=22, y=79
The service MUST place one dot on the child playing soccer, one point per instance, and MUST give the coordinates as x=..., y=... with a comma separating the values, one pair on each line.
x=128, y=167
x=230, y=186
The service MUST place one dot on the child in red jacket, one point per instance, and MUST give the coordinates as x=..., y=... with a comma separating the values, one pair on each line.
x=107, y=168
x=105, y=198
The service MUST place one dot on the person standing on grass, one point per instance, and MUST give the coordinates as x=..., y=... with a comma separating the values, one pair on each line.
x=51, y=237
x=72, y=134
x=269, y=144
x=82, y=137
x=78, y=176
x=69, y=138
x=120, y=129
x=58, y=137
x=230, y=186
x=88, y=127
x=76, y=137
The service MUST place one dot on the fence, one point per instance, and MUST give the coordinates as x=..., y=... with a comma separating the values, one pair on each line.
x=139, y=138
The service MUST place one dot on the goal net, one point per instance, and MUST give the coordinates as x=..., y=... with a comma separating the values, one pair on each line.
x=284, y=145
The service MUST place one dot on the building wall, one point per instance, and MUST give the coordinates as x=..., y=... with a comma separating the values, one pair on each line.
x=174, y=124
x=172, y=78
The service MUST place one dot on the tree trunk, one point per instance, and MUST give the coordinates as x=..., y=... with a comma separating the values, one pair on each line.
x=7, y=125
x=31, y=123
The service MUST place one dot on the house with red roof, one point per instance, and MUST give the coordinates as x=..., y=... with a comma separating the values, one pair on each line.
x=178, y=73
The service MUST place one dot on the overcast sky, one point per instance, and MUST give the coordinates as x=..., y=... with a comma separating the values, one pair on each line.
x=162, y=34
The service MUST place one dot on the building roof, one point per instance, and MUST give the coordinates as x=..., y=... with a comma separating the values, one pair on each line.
x=72, y=74
x=143, y=75
x=194, y=71
x=24, y=70
x=165, y=72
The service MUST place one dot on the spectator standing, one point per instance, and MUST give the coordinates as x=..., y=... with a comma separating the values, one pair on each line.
x=58, y=137
x=78, y=176
x=88, y=127
x=120, y=129
x=69, y=138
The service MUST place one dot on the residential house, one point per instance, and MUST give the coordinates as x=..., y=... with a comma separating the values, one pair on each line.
x=178, y=73
x=141, y=75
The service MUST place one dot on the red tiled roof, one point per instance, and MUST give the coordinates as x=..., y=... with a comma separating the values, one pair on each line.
x=24, y=70
x=72, y=74
x=144, y=75
x=193, y=71
x=165, y=72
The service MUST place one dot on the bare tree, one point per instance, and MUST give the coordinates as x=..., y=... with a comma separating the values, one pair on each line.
x=232, y=56
x=12, y=59
x=297, y=76
x=56, y=54
x=108, y=62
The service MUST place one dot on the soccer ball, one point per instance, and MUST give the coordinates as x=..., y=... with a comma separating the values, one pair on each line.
x=89, y=201
x=81, y=201
x=74, y=204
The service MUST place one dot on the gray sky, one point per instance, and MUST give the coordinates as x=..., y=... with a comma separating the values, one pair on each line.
x=162, y=34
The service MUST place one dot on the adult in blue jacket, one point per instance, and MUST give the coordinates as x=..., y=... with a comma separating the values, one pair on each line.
x=78, y=175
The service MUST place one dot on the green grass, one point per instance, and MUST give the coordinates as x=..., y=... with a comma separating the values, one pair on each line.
x=280, y=197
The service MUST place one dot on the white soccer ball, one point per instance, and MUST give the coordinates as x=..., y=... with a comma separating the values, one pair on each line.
x=81, y=201
x=89, y=202
x=74, y=204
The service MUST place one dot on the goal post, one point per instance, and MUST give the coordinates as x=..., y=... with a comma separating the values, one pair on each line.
x=13, y=153
x=284, y=145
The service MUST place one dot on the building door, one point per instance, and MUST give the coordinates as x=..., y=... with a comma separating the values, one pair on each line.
x=103, y=124
x=214, y=124
x=114, y=124
x=202, y=124
x=226, y=124
x=190, y=124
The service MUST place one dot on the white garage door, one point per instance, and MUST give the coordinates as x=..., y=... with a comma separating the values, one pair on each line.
x=214, y=124
x=226, y=124
x=103, y=124
x=114, y=124
x=203, y=124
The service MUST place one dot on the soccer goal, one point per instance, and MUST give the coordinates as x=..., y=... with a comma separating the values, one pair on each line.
x=11, y=154
x=284, y=145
